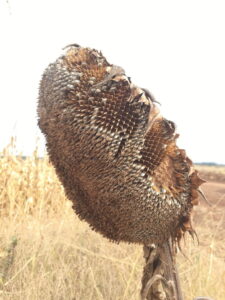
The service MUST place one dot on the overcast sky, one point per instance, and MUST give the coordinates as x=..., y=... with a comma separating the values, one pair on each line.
x=176, y=49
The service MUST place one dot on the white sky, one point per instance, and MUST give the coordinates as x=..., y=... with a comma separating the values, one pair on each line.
x=176, y=49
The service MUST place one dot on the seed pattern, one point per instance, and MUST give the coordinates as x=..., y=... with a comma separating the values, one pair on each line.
x=115, y=155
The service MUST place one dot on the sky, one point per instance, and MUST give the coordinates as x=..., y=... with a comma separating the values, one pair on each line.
x=176, y=49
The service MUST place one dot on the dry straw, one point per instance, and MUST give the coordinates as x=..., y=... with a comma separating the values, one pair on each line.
x=46, y=252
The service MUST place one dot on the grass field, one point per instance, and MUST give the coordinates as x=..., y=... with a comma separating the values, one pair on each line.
x=46, y=252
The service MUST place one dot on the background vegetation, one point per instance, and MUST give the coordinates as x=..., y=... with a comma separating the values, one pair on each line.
x=46, y=252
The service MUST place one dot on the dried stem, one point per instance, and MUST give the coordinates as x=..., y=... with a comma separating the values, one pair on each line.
x=160, y=277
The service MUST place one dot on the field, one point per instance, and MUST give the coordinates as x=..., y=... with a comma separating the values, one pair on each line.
x=46, y=252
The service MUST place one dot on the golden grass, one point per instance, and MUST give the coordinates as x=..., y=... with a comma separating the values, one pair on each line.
x=220, y=169
x=46, y=252
x=212, y=173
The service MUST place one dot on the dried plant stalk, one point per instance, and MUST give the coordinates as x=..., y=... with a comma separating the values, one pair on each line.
x=160, y=279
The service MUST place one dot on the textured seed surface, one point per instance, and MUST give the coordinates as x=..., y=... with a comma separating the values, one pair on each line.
x=115, y=155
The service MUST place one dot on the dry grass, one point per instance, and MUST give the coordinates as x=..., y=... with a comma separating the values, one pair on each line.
x=212, y=173
x=220, y=169
x=46, y=252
